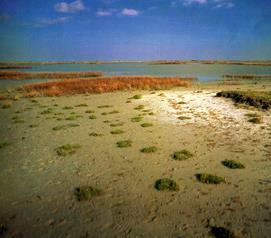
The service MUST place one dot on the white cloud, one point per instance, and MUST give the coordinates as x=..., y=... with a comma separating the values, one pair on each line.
x=223, y=4
x=189, y=2
x=106, y=13
x=72, y=7
x=129, y=12
x=50, y=21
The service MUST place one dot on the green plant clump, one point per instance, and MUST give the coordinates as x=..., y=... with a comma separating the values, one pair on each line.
x=92, y=117
x=3, y=144
x=209, y=178
x=67, y=149
x=86, y=193
x=116, y=132
x=137, y=119
x=232, y=164
x=137, y=96
x=139, y=107
x=182, y=155
x=150, y=149
x=146, y=124
x=166, y=184
x=124, y=143
x=95, y=134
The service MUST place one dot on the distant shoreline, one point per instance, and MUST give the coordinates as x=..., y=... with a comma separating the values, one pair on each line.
x=155, y=62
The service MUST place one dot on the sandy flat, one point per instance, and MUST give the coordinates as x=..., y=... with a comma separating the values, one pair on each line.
x=37, y=186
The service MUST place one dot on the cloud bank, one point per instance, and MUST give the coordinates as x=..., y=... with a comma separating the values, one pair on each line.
x=72, y=7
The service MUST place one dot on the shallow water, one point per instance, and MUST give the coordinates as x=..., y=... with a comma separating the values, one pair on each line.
x=203, y=72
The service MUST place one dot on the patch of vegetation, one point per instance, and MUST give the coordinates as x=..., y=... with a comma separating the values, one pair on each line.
x=150, y=149
x=137, y=119
x=89, y=111
x=47, y=111
x=161, y=95
x=63, y=127
x=124, y=143
x=209, y=178
x=81, y=105
x=3, y=144
x=117, y=124
x=146, y=124
x=139, y=107
x=151, y=114
x=166, y=184
x=71, y=118
x=182, y=155
x=18, y=121
x=259, y=99
x=181, y=102
x=33, y=126
x=67, y=149
x=232, y=164
x=105, y=106
x=137, y=96
x=184, y=118
x=92, y=117
x=221, y=232
x=255, y=120
x=251, y=115
x=113, y=112
x=106, y=121
x=104, y=113
x=67, y=108
x=95, y=134
x=116, y=132
x=86, y=193
x=6, y=105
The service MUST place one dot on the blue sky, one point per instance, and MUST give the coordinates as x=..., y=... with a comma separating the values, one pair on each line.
x=134, y=29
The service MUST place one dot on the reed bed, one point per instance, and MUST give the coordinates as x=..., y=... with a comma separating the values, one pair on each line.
x=105, y=84
x=15, y=75
x=5, y=67
x=245, y=76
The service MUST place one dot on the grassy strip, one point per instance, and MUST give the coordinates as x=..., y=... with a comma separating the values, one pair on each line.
x=105, y=84
x=15, y=75
x=253, y=98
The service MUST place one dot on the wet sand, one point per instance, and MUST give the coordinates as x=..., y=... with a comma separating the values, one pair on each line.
x=37, y=185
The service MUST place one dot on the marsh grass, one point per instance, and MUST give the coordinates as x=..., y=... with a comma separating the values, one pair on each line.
x=139, y=107
x=117, y=124
x=114, y=112
x=47, y=111
x=6, y=105
x=92, y=117
x=67, y=149
x=221, y=232
x=150, y=149
x=124, y=143
x=81, y=105
x=89, y=111
x=166, y=184
x=16, y=75
x=209, y=178
x=105, y=106
x=94, y=134
x=232, y=164
x=182, y=155
x=146, y=125
x=117, y=132
x=104, y=84
x=137, y=96
x=67, y=108
x=19, y=120
x=184, y=118
x=137, y=119
x=85, y=193
x=256, y=120
x=64, y=127
x=33, y=125
x=3, y=144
